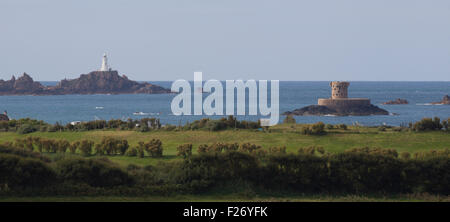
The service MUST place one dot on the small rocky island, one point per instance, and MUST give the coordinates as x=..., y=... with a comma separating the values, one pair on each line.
x=396, y=102
x=104, y=81
x=340, y=105
x=444, y=101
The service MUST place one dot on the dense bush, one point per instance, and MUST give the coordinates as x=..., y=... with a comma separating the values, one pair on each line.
x=446, y=124
x=184, y=150
x=9, y=148
x=111, y=146
x=289, y=119
x=85, y=147
x=153, y=148
x=205, y=171
x=428, y=124
x=342, y=126
x=96, y=173
x=26, y=128
x=314, y=129
x=17, y=172
x=277, y=150
x=221, y=124
x=132, y=151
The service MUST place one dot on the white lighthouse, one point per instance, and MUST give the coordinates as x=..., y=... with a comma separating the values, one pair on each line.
x=105, y=66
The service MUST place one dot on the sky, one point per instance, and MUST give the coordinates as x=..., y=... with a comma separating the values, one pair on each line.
x=316, y=40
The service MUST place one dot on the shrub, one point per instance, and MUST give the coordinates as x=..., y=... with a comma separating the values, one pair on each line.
x=73, y=147
x=249, y=148
x=203, y=148
x=111, y=146
x=143, y=128
x=277, y=150
x=26, y=128
x=405, y=155
x=289, y=119
x=9, y=148
x=311, y=150
x=445, y=124
x=86, y=147
x=230, y=147
x=184, y=150
x=428, y=124
x=343, y=126
x=132, y=152
x=26, y=143
x=99, y=149
x=49, y=145
x=216, y=125
x=154, y=147
x=314, y=129
x=205, y=171
x=96, y=173
x=63, y=145
x=374, y=151
x=18, y=172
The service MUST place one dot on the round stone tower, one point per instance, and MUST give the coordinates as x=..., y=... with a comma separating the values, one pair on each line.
x=339, y=90
x=339, y=97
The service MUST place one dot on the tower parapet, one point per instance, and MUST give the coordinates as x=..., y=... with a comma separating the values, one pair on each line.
x=339, y=90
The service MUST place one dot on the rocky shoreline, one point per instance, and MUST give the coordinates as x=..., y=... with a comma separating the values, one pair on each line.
x=97, y=82
x=318, y=110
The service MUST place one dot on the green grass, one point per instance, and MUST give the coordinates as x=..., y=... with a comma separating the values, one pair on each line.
x=335, y=140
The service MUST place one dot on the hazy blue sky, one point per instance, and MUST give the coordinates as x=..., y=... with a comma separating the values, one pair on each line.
x=228, y=39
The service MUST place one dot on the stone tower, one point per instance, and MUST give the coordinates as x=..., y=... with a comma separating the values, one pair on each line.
x=339, y=90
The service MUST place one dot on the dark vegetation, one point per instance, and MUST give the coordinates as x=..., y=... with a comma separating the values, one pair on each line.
x=220, y=165
x=24, y=126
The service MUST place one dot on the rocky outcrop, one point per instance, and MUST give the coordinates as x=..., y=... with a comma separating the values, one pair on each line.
x=24, y=85
x=396, y=102
x=318, y=110
x=444, y=101
x=97, y=82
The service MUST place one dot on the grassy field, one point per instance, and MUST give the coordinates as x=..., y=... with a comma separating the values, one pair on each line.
x=336, y=140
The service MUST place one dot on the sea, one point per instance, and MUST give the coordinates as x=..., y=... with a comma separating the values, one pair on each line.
x=292, y=95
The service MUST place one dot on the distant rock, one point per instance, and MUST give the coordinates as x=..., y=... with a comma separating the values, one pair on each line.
x=318, y=110
x=396, y=102
x=24, y=85
x=97, y=82
x=445, y=101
